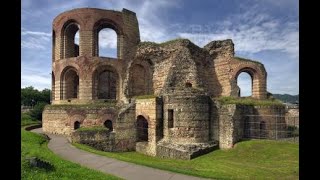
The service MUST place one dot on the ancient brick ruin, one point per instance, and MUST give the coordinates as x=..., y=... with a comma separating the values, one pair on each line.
x=158, y=99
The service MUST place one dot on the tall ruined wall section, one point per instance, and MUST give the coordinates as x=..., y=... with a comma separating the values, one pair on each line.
x=89, y=21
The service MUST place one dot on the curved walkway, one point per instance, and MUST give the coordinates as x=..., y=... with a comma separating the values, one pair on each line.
x=61, y=146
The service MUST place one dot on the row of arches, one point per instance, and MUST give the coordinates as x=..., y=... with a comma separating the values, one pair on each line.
x=106, y=124
x=105, y=82
x=105, y=40
x=141, y=127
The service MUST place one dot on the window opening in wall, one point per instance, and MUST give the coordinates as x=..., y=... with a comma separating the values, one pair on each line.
x=188, y=85
x=76, y=125
x=170, y=118
x=244, y=81
x=71, y=40
x=107, y=43
x=108, y=124
x=76, y=43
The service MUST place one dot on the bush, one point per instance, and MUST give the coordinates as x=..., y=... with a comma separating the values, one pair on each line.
x=36, y=112
x=26, y=119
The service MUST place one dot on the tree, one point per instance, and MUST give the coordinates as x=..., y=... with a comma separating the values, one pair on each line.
x=31, y=96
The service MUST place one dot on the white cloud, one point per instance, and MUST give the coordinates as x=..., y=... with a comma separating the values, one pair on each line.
x=107, y=39
x=36, y=78
x=35, y=39
x=251, y=32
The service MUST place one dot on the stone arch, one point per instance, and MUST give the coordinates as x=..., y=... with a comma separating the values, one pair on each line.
x=106, y=83
x=142, y=128
x=140, y=80
x=68, y=32
x=258, y=77
x=247, y=82
x=69, y=83
x=76, y=125
x=109, y=24
x=108, y=124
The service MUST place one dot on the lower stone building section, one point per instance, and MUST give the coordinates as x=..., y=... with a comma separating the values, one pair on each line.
x=182, y=125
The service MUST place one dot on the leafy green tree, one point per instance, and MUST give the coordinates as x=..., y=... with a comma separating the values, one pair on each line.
x=31, y=96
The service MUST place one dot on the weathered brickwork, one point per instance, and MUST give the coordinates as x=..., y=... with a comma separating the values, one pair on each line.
x=159, y=98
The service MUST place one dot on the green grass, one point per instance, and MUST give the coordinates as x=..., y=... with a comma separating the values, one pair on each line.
x=255, y=159
x=145, y=96
x=34, y=145
x=249, y=101
x=27, y=120
x=83, y=106
x=96, y=128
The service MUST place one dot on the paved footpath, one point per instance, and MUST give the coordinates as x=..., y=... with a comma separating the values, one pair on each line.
x=61, y=146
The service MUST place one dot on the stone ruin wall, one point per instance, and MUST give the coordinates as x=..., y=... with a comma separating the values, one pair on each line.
x=184, y=77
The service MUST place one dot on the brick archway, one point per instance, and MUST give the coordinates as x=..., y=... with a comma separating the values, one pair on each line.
x=258, y=76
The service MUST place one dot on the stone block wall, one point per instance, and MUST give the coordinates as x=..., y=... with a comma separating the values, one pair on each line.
x=190, y=118
x=242, y=121
x=101, y=140
x=151, y=110
x=60, y=119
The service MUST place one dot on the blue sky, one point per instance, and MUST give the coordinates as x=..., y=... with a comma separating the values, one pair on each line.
x=263, y=30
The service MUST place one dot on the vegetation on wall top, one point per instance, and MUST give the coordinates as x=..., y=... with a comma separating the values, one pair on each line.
x=249, y=101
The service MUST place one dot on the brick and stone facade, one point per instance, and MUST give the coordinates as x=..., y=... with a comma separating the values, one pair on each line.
x=158, y=98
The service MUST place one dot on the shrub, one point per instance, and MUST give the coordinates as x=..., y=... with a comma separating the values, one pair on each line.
x=36, y=112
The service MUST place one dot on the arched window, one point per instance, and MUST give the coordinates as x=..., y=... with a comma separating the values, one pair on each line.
x=107, y=43
x=70, y=39
x=76, y=125
x=142, y=129
x=105, y=83
x=108, y=124
x=69, y=83
x=244, y=81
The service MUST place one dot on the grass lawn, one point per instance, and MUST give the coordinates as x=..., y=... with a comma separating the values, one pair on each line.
x=36, y=145
x=254, y=159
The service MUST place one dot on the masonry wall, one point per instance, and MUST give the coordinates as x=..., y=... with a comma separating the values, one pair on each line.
x=151, y=110
x=59, y=119
x=190, y=118
x=241, y=121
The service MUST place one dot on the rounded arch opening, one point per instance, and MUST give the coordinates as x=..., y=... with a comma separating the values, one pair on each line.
x=244, y=82
x=107, y=39
x=70, y=36
x=105, y=83
x=108, y=124
x=142, y=129
x=76, y=125
x=69, y=83
x=107, y=43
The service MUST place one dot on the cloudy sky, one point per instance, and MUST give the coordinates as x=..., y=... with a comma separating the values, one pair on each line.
x=263, y=30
